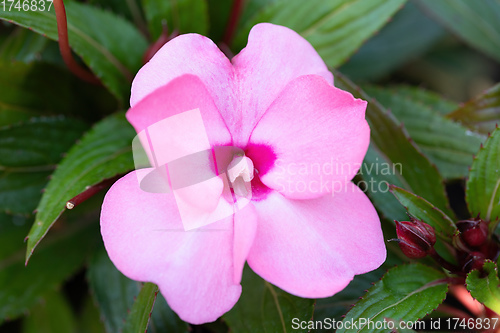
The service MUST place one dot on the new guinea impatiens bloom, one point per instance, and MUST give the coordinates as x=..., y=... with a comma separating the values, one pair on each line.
x=305, y=227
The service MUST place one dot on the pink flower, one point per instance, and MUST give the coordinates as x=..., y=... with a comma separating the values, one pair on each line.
x=307, y=228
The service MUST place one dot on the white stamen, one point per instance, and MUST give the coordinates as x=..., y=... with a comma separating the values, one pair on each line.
x=240, y=166
x=240, y=173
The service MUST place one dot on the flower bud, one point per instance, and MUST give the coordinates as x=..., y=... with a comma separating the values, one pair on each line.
x=458, y=243
x=416, y=238
x=473, y=232
x=475, y=260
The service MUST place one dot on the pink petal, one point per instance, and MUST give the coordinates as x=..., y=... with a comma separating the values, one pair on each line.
x=182, y=94
x=243, y=90
x=180, y=120
x=313, y=248
x=318, y=136
x=274, y=56
x=245, y=228
x=145, y=239
x=187, y=54
x=200, y=204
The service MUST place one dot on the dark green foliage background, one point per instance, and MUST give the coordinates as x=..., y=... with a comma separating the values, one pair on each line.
x=429, y=69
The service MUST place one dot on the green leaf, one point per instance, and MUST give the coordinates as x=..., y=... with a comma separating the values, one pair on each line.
x=39, y=142
x=435, y=102
x=21, y=191
x=59, y=257
x=218, y=12
x=89, y=320
x=29, y=90
x=476, y=22
x=407, y=292
x=10, y=117
x=251, y=9
x=428, y=213
x=263, y=307
x=447, y=144
x=22, y=45
x=164, y=319
x=114, y=294
x=336, y=29
x=102, y=153
x=52, y=315
x=407, y=36
x=337, y=305
x=26, y=160
x=483, y=186
x=423, y=210
x=181, y=15
x=112, y=291
x=483, y=286
x=481, y=114
x=390, y=150
x=376, y=183
x=130, y=9
x=139, y=316
x=109, y=45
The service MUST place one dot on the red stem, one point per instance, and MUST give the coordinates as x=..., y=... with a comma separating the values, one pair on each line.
x=62, y=31
x=236, y=10
x=90, y=192
x=445, y=264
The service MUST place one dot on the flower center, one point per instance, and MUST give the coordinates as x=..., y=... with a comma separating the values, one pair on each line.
x=240, y=173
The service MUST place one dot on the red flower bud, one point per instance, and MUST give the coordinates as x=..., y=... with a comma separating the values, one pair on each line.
x=475, y=260
x=416, y=238
x=473, y=232
x=459, y=244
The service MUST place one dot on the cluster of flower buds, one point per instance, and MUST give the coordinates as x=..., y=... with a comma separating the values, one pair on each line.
x=472, y=243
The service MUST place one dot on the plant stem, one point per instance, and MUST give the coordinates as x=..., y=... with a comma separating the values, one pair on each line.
x=444, y=263
x=137, y=16
x=90, y=192
x=62, y=31
x=234, y=18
